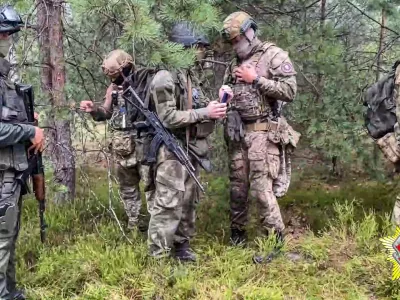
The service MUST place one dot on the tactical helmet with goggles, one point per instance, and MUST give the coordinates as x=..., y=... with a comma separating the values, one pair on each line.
x=117, y=62
x=10, y=21
x=184, y=33
x=237, y=24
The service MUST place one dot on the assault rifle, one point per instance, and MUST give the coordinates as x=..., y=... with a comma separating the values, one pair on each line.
x=161, y=136
x=35, y=168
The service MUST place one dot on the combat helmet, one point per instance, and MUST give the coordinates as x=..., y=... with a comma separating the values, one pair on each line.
x=184, y=33
x=10, y=21
x=237, y=24
x=115, y=62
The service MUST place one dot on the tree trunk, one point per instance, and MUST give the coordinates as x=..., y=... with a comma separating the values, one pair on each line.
x=53, y=82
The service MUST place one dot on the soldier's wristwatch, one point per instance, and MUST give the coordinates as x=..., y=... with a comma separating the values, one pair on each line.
x=255, y=81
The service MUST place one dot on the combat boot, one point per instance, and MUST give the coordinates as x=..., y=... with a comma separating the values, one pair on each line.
x=183, y=252
x=261, y=259
x=238, y=237
x=143, y=225
x=16, y=295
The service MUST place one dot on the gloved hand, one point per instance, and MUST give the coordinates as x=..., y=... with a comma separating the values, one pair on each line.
x=235, y=126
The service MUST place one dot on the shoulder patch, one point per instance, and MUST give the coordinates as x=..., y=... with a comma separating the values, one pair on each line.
x=287, y=67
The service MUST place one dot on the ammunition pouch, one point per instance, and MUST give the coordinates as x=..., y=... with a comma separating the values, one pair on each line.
x=13, y=157
x=123, y=143
x=202, y=130
x=390, y=147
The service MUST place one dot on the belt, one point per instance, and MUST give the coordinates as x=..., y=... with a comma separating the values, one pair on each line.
x=264, y=126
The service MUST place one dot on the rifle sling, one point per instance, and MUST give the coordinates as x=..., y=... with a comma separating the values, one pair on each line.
x=189, y=107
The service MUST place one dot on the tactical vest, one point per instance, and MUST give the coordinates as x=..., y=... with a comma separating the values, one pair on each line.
x=12, y=111
x=125, y=115
x=247, y=100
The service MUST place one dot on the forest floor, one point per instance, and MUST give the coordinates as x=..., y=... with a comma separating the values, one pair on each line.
x=335, y=229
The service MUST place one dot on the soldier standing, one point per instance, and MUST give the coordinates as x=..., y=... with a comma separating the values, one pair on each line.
x=127, y=146
x=13, y=156
x=182, y=107
x=259, y=80
x=396, y=208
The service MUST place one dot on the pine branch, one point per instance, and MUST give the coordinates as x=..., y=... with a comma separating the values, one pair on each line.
x=372, y=19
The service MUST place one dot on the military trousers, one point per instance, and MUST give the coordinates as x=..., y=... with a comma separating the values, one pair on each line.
x=173, y=215
x=396, y=212
x=10, y=207
x=254, y=164
x=128, y=154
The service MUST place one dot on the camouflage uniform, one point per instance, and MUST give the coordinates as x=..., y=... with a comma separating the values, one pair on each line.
x=396, y=209
x=13, y=156
x=127, y=147
x=172, y=220
x=128, y=154
x=259, y=159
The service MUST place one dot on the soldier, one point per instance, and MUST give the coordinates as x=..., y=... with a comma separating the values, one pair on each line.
x=183, y=109
x=7, y=46
x=13, y=156
x=396, y=208
x=127, y=147
x=259, y=80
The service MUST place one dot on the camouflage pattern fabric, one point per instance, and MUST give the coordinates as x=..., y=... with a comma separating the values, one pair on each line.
x=260, y=161
x=396, y=212
x=10, y=195
x=13, y=76
x=254, y=164
x=236, y=24
x=128, y=153
x=115, y=61
x=173, y=215
x=396, y=157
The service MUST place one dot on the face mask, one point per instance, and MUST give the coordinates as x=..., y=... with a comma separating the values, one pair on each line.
x=244, y=47
x=119, y=80
x=5, y=45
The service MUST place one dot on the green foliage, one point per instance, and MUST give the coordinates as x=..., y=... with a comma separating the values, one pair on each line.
x=87, y=257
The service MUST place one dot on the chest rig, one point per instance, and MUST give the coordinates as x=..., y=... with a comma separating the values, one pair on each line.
x=247, y=100
x=12, y=110
x=125, y=115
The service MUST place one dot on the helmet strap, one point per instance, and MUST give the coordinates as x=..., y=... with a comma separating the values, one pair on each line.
x=248, y=39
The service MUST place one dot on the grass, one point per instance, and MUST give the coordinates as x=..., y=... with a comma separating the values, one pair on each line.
x=87, y=257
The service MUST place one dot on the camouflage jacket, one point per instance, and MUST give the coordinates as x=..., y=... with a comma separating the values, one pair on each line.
x=396, y=97
x=277, y=83
x=169, y=95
